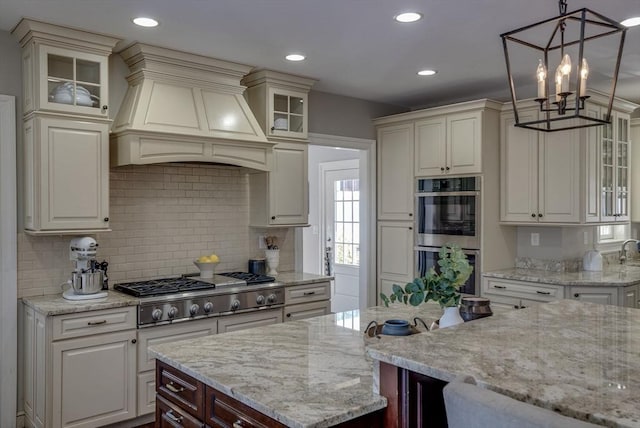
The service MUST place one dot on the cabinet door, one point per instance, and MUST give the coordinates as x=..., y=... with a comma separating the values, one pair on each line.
x=602, y=295
x=72, y=157
x=288, y=185
x=631, y=297
x=395, y=174
x=430, y=147
x=250, y=320
x=307, y=310
x=395, y=255
x=464, y=143
x=288, y=113
x=518, y=170
x=592, y=163
x=94, y=380
x=559, y=177
x=622, y=178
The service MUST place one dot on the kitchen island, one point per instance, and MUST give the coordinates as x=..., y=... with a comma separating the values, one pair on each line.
x=579, y=359
x=309, y=373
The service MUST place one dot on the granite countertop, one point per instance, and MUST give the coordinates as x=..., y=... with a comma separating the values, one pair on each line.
x=579, y=359
x=308, y=373
x=617, y=276
x=55, y=304
x=300, y=278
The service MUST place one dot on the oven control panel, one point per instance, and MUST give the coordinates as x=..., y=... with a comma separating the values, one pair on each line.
x=182, y=309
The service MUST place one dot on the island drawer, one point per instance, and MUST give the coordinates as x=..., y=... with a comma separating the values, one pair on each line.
x=170, y=415
x=521, y=289
x=180, y=389
x=307, y=293
x=93, y=322
x=222, y=411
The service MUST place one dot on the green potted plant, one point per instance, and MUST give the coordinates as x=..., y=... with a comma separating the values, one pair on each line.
x=442, y=287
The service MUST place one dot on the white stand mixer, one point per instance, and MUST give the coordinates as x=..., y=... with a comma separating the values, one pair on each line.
x=88, y=279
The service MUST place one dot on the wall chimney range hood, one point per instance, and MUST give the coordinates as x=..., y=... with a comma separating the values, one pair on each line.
x=182, y=107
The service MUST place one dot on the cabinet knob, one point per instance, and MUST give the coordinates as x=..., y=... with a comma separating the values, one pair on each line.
x=448, y=168
x=106, y=219
x=441, y=168
x=273, y=128
x=133, y=341
x=533, y=215
x=410, y=228
x=410, y=214
x=539, y=215
x=576, y=295
x=288, y=315
x=105, y=108
x=273, y=217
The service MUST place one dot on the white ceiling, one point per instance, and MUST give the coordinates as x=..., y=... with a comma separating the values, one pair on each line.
x=354, y=47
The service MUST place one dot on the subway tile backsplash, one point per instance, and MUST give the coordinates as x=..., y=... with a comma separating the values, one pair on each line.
x=162, y=218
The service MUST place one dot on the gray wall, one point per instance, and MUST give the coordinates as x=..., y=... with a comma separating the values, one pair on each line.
x=348, y=117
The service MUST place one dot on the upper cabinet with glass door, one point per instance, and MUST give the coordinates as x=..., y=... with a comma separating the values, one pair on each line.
x=615, y=173
x=280, y=103
x=65, y=70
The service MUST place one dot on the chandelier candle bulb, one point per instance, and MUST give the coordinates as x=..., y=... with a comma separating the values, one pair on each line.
x=584, y=73
x=558, y=83
x=565, y=69
x=541, y=72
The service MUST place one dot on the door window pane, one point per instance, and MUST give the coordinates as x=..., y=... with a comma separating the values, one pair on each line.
x=347, y=222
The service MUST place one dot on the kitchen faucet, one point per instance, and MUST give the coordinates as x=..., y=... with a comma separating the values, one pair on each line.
x=623, y=251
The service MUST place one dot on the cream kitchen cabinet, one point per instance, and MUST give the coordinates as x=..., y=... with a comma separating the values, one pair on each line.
x=615, y=150
x=80, y=368
x=619, y=296
x=635, y=171
x=281, y=197
x=542, y=174
x=64, y=70
x=449, y=144
x=519, y=294
x=66, y=175
x=395, y=255
x=395, y=174
x=280, y=103
x=307, y=301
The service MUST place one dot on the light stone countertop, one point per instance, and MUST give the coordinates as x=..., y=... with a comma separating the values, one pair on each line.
x=300, y=278
x=617, y=276
x=579, y=359
x=308, y=373
x=55, y=304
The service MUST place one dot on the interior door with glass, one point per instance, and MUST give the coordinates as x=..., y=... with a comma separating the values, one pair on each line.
x=342, y=236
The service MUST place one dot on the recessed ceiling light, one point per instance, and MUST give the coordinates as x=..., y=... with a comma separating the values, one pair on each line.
x=426, y=72
x=295, y=57
x=145, y=22
x=631, y=22
x=408, y=17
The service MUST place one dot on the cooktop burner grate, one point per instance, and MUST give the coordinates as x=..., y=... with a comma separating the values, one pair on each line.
x=156, y=287
x=250, y=278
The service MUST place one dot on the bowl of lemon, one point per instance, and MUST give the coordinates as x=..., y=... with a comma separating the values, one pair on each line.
x=207, y=265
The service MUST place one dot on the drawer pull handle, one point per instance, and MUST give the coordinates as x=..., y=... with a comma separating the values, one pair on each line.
x=546, y=293
x=308, y=293
x=174, y=418
x=97, y=322
x=171, y=387
x=501, y=287
x=238, y=424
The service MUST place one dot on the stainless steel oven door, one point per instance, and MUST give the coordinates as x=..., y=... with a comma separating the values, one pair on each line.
x=427, y=257
x=448, y=218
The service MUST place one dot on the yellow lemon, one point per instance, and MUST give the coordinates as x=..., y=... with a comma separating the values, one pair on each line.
x=204, y=259
x=214, y=258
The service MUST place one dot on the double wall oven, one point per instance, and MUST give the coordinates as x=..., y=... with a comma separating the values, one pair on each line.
x=448, y=212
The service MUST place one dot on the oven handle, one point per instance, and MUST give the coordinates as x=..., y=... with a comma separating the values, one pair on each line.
x=463, y=193
x=437, y=250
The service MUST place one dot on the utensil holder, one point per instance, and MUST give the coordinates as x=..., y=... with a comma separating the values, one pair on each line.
x=273, y=260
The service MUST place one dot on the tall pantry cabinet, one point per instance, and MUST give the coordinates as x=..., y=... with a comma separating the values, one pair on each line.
x=449, y=141
x=66, y=127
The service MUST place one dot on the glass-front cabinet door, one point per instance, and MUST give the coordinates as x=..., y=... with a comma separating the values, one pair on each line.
x=73, y=81
x=614, y=152
x=288, y=113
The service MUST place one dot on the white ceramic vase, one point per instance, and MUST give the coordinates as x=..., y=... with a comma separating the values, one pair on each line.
x=450, y=317
x=273, y=260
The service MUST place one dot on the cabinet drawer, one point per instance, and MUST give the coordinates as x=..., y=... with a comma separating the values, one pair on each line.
x=224, y=411
x=169, y=415
x=94, y=322
x=307, y=293
x=525, y=290
x=307, y=310
x=181, y=389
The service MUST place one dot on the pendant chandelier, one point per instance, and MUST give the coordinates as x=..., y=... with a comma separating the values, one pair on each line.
x=548, y=62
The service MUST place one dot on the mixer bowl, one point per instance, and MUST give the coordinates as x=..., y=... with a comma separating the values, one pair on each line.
x=87, y=282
